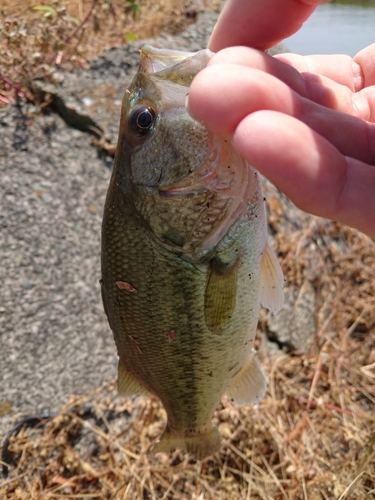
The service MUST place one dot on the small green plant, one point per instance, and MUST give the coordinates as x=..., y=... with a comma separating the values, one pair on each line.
x=132, y=6
x=47, y=10
x=50, y=12
x=129, y=36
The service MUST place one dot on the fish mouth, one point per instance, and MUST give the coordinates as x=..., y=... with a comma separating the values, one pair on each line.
x=182, y=193
x=172, y=72
x=194, y=208
x=174, y=65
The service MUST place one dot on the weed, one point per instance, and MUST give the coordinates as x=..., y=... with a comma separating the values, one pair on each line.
x=38, y=37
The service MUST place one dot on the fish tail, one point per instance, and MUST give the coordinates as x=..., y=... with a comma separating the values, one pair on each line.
x=200, y=445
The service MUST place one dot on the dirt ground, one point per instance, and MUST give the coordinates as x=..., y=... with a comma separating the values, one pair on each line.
x=311, y=438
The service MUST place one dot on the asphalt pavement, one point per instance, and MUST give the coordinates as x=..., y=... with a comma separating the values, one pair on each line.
x=54, y=336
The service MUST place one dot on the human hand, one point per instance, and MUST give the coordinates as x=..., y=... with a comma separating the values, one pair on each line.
x=259, y=23
x=307, y=123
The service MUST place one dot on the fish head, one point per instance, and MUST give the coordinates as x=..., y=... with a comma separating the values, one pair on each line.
x=185, y=183
x=160, y=133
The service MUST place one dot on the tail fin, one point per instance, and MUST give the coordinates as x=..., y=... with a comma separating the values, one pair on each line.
x=200, y=445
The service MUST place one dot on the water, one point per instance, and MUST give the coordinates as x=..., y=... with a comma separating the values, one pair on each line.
x=335, y=29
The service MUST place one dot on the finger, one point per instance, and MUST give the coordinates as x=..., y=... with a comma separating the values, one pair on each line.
x=356, y=73
x=246, y=90
x=243, y=91
x=337, y=87
x=308, y=169
x=252, y=58
x=259, y=23
x=316, y=77
x=338, y=68
x=366, y=61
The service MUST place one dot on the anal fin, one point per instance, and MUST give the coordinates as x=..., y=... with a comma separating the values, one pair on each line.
x=249, y=385
x=127, y=384
x=272, y=282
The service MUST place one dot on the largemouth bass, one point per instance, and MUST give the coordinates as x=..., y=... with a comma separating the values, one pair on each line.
x=185, y=260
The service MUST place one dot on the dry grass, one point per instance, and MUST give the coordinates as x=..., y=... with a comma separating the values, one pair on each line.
x=38, y=36
x=312, y=437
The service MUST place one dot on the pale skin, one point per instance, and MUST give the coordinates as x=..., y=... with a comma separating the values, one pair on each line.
x=307, y=123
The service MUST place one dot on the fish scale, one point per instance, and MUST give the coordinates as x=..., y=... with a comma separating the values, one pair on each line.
x=185, y=261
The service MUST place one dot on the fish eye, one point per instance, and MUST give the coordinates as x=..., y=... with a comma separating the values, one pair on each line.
x=142, y=120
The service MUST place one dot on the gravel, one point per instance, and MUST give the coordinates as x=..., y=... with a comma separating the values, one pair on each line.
x=54, y=338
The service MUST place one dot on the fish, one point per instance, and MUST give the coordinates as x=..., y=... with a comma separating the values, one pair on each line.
x=185, y=258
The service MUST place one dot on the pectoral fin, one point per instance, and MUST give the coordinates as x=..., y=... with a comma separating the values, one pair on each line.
x=272, y=282
x=127, y=384
x=249, y=385
x=220, y=295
